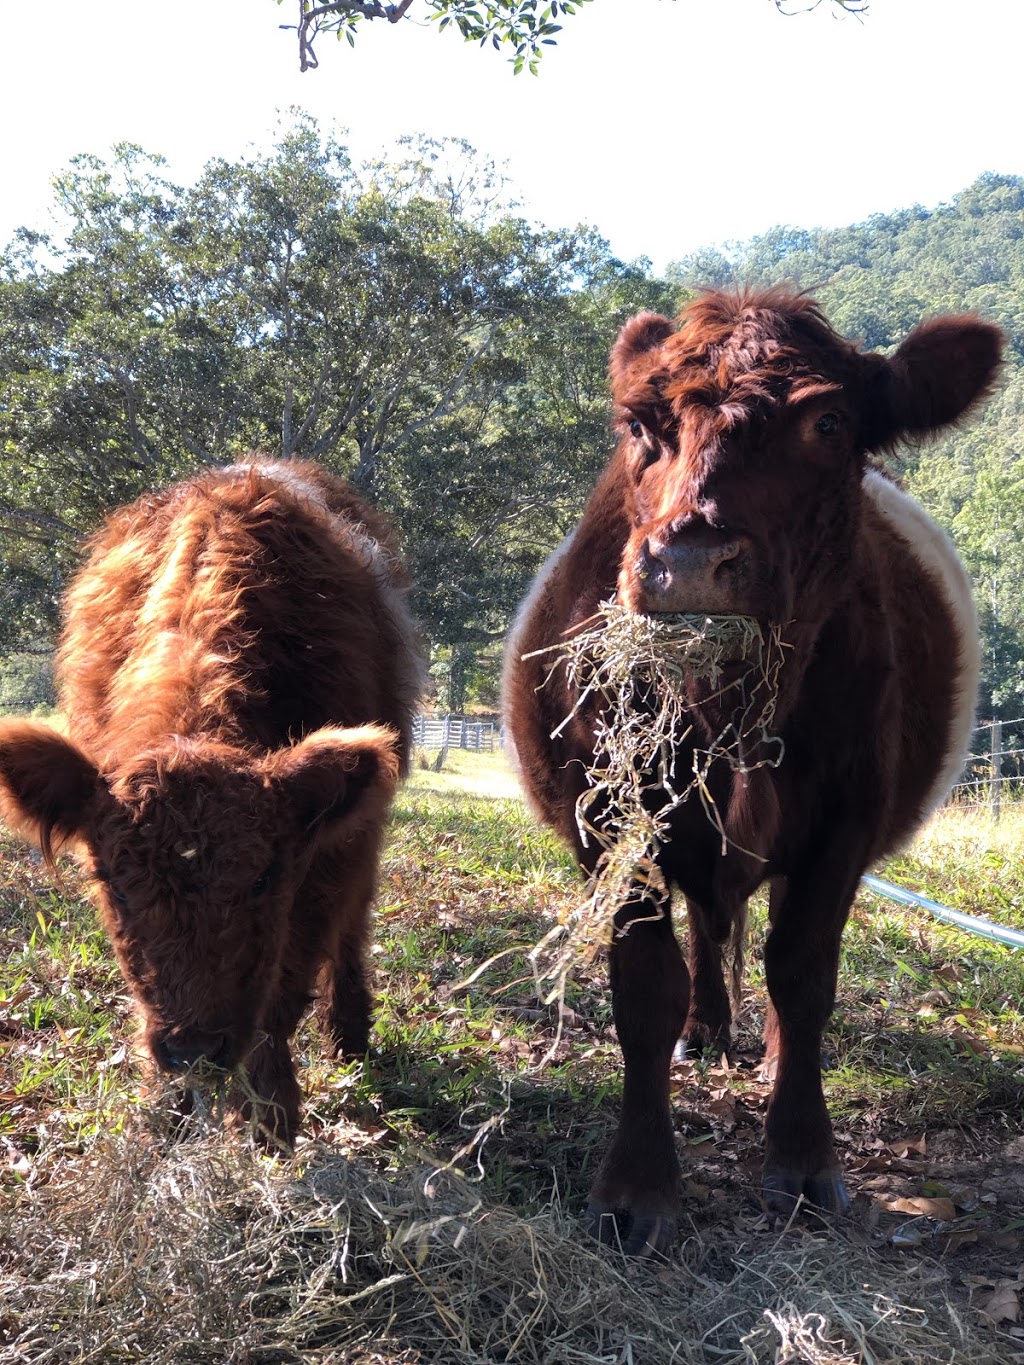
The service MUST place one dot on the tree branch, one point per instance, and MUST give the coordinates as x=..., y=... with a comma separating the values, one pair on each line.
x=444, y=404
x=25, y=521
x=309, y=21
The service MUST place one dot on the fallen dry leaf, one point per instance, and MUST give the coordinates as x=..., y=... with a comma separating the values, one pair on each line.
x=942, y=1210
x=905, y=1147
x=936, y=997
x=1002, y=1305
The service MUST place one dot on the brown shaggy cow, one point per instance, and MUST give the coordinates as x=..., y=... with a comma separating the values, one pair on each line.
x=740, y=485
x=238, y=673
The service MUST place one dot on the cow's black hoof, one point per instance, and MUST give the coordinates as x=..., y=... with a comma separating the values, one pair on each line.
x=703, y=1044
x=825, y=1190
x=649, y=1235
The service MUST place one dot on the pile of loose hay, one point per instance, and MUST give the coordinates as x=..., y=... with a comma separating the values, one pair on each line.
x=208, y=1250
x=638, y=668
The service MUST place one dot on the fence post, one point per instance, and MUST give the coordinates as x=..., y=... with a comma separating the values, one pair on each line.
x=446, y=734
x=996, y=761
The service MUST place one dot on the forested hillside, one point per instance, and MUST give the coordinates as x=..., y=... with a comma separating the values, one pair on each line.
x=876, y=280
x=404, y=324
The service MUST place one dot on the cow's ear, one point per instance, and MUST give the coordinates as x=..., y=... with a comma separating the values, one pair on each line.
x=46, y=784
x=940, y=372
x=640, y=334
x=338, y=779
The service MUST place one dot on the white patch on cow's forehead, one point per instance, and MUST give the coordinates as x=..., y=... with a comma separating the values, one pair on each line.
x=936, y=552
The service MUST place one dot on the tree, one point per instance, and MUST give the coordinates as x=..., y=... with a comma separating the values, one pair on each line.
x=398, y=322
x=522, y=27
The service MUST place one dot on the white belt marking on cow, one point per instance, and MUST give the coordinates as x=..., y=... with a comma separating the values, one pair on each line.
x=936, y=552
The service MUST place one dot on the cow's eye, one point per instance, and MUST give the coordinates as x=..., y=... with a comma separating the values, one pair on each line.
x=261, y=883
x=114, y=896
x=636, y=429
x=828, y=424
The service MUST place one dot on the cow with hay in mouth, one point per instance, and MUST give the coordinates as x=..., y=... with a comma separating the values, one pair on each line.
x=238, y=674
x=754, y=661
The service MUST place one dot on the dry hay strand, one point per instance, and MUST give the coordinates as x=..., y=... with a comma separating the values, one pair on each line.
x=209, y=1250
x=638, y=669
x=820, y=1298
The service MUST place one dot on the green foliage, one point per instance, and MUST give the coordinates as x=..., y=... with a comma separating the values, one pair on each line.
x=404, y=324
x=523, y=28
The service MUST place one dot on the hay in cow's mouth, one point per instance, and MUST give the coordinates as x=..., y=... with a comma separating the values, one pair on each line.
x=640, y=667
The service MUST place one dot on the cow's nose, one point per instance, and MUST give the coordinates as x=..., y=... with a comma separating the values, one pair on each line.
x=702, y=572
x=186, y=1048
x=683, y=556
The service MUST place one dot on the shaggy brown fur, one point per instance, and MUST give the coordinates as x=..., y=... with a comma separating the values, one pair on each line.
x=238, y=673
x=740, y=485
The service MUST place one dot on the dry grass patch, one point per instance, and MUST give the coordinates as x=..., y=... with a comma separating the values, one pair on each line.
x=206, y=1250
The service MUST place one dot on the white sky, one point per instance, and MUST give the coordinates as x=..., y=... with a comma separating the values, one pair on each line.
x=668, y=124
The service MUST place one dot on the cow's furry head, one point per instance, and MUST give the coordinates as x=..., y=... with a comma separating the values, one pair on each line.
x=744, y=432
x=195, y=851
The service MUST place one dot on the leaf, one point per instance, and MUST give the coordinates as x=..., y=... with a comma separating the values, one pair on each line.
x=942, y=1210
x=1002, y=1305
x=914, y=1146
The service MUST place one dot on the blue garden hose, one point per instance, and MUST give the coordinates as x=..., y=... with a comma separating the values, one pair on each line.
x=984, y=928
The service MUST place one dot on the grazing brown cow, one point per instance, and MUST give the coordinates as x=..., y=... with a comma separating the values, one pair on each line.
x=238, y=672
x=740, y=485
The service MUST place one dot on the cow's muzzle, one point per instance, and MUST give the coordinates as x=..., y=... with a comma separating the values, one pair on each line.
x=700, y=569
x=182, y=1049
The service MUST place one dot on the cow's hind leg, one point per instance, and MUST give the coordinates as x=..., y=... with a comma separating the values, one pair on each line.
x=809, y=911
x=634, y=1202
x=346, y=1005
x=708, y=1024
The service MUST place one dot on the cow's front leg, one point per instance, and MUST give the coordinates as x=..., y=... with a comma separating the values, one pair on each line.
x=268, y=1095
x=808, y=913
x=634, y=1202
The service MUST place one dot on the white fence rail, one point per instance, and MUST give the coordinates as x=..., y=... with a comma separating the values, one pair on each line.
x=455, y=732
x=994, y=771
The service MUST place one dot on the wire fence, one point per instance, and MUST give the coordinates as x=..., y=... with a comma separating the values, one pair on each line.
x=26, y=681
x=994, y=771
